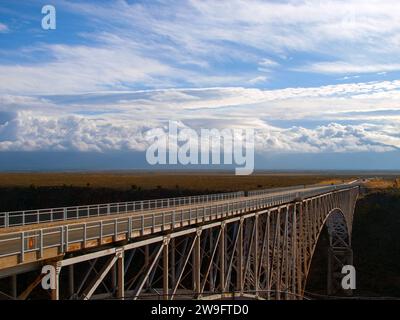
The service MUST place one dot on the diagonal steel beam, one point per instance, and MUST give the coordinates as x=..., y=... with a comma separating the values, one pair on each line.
x=139, y=289
x=87, y=294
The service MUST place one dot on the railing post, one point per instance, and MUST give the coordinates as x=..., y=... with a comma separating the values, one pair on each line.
x=22, y=246
x=129, y=228
x=66, y=238
x=84, y=235
x=101, y=232
x=62, y=247
x=41, y=243
x=6, y=219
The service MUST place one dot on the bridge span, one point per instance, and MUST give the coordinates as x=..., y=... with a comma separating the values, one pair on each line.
x=257, y=244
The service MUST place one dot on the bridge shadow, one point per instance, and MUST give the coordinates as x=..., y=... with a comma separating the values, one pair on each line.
x=317, y=277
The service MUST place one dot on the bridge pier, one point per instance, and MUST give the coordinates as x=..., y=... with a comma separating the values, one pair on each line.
x=339, y=253
x=337, y=258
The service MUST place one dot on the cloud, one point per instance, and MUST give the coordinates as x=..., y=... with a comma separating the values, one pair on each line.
x=204, y=30
x=345, y=118
x=82, y=68
x=166, y=44
x=3, y=28
x=326, y=102
x=340, y=67
x=268, y=63
x=202, y=63
x=72, y=133
x=258, y=79
x=265, y=65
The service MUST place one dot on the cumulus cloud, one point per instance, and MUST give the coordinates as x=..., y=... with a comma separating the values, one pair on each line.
x=27, y=132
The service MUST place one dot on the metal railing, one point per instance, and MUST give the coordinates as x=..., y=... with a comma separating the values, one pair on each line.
x=300, y=186
x=61, y=237
x=270, y=190
x=27, y=217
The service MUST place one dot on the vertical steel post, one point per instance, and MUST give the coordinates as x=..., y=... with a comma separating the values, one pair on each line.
x=146, y=263
x=197, y=264
x=222, y=258
x=240, y=258
x=165, y=269
x=256, y=258
x=268, y=230
x=172, y=263
x=121, y=274
x=55, y=293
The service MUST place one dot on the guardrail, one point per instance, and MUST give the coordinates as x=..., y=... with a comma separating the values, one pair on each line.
x=61, y=237
x=27, y=217
x=300, y=186
x=270, y=190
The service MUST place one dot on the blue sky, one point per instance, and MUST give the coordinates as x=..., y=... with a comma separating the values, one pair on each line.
x=314, y=77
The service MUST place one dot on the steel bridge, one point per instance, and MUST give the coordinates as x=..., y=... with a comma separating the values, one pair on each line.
x=256, y=245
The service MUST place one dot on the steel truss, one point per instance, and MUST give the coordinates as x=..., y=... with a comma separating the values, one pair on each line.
x=265, y=254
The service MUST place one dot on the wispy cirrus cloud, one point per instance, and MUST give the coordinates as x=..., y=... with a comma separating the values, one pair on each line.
x=3, y=27
x=206, y=43
x=204, y=30
x=339, y=67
